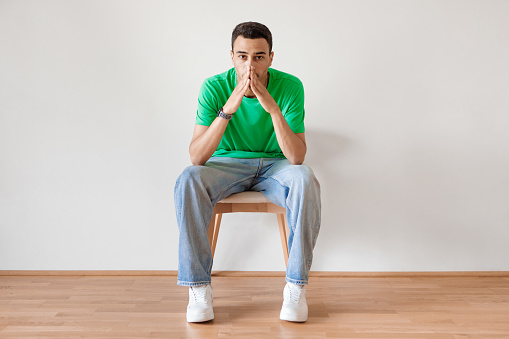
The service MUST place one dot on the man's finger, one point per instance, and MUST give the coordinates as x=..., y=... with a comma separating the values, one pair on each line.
x=246, y=86
x=254, y=88
x=243, y=85
x=254, y=78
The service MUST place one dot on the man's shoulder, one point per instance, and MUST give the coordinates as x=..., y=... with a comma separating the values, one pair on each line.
x=278, y=75
x=221, y=78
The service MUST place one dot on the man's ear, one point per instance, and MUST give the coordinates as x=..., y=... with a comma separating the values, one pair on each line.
x=271, y=56
x=231, y=55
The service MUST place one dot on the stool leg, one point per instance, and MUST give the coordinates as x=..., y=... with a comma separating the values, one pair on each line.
x=283, y=232
x=213, y=231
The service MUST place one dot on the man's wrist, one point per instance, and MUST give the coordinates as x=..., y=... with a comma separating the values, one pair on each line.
x=224, y=115
x=276, y=111
x=227, y=110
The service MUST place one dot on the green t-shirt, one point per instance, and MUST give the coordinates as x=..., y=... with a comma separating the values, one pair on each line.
x=250, y=133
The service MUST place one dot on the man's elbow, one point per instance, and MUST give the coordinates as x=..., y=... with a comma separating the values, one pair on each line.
x=197, y=160
x=195, y=163
x=296, y=160
x=297, y=157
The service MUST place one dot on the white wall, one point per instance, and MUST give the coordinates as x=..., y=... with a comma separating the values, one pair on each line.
x=407, y=125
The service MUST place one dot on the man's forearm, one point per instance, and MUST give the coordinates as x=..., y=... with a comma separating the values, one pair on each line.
x=205, y=143
x=203, y=146
x=293, y=147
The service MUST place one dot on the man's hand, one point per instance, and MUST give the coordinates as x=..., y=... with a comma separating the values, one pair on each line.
x=233, y=103
x=292, y=145
x=266, y=100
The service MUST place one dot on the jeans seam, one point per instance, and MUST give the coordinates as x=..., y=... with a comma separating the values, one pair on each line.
x=233, y=184
x=260, y=162
x=193, y=283
x=294, y=281
x=287, y=207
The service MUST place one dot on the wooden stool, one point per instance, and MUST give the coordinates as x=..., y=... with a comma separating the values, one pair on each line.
x=248, y=201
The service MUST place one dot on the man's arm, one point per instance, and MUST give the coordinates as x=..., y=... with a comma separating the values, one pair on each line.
x=293, y=145
x=207, y=138
x=205, y=141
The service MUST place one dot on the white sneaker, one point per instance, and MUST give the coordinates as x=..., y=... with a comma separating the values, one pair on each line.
x=200, y=304
x=294, y=307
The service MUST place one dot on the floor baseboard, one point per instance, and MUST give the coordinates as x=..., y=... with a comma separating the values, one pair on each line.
x=316, y=274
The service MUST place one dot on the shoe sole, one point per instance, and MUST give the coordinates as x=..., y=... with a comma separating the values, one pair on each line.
x=200, y=318
x=296, y=318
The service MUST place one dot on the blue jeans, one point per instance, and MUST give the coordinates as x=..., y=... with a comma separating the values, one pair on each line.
x=199, y=188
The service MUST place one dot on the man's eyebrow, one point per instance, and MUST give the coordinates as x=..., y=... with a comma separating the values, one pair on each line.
x=242, y=52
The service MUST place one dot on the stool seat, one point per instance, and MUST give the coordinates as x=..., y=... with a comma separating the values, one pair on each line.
x=248, y=201
x=246, y=197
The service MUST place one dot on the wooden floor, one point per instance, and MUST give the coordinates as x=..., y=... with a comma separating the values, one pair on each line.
x=248, y=307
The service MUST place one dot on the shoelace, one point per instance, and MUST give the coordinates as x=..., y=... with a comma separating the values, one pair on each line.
x=200, y=295
x=295, y=294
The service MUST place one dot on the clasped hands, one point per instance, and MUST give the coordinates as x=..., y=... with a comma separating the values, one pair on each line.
x=250, y=80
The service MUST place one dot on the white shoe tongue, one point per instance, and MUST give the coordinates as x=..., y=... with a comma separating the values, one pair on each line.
x=200, y=294
x=295, y=286
x=295, y=292
x=294, y=296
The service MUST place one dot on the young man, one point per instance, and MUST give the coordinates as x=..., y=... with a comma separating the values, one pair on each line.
x=249, y=135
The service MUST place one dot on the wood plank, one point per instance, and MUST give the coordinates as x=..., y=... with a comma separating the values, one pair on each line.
x=143, y=306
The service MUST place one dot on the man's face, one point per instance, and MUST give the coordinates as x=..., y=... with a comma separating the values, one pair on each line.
x=251, y=52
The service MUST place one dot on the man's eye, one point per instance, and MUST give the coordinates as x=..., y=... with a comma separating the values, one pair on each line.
x=242, y=56
x=259, y=57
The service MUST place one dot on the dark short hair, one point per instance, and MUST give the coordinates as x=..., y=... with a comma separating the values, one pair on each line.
x=252, y=30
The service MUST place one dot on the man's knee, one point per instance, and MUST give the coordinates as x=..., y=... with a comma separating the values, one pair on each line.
x=304, y=175
x=190, y=176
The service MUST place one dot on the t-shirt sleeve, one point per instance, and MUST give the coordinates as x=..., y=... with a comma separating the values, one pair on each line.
x=207, y=105
x=294, y=110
